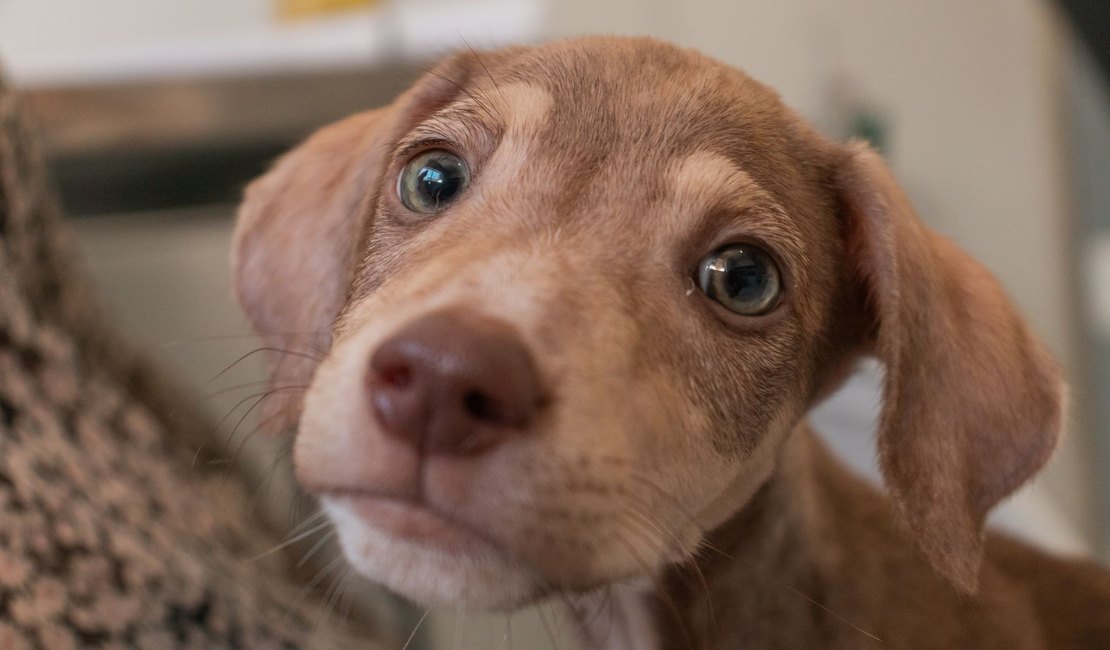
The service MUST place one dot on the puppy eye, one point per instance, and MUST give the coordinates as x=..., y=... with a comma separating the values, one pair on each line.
x=742, y=278
x=432, y=180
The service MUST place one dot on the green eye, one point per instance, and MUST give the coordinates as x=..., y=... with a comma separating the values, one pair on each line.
x=431, y=180
x=742, y=278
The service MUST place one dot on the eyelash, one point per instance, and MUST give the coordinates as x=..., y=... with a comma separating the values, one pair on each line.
x=408, y=150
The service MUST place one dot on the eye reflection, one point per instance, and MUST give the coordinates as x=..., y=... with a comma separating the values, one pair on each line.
x=742, y=278
x=432, y=180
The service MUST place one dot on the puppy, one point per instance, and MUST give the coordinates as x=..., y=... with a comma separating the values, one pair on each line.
x=573, y=302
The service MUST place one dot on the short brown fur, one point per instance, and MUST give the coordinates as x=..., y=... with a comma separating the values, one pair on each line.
x=670, y=478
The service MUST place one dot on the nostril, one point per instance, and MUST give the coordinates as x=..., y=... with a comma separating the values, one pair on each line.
x=483, y=408
x=452, y=383
x=396, y=376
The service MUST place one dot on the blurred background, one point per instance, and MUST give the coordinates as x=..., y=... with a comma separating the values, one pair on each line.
x=995, y=115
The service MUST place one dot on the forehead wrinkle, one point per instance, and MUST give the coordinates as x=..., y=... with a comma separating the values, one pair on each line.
x=704, y=179
x=464, y=122
x=710, y=194
x=512, y=114
x=525, y=109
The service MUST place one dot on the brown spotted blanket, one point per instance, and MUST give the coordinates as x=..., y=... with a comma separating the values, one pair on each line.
x=114, y=532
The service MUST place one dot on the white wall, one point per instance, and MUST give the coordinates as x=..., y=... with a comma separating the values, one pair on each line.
x=1089, y=95
x=67, y=41
x=970, y=90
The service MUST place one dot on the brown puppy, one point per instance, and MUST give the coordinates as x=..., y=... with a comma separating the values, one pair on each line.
x=575, y=301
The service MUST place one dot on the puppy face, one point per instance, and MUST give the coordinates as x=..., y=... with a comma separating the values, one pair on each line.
x=574, y=298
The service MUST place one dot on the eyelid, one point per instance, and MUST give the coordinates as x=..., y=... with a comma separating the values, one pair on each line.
x=410, y=149
x=754, y=239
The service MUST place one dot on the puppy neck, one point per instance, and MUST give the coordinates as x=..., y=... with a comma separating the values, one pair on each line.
x=760, y=560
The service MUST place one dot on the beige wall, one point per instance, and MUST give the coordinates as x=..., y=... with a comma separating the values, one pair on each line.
x=970, y=92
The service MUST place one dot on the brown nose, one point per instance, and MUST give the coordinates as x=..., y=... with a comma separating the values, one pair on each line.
x=453, y=383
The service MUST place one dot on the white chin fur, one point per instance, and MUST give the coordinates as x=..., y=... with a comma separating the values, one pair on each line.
x=483, y=580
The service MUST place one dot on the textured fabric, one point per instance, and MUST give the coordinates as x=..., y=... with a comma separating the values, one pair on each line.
x=114, y=530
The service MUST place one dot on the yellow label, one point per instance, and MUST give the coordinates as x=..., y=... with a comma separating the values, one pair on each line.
x=307, y=8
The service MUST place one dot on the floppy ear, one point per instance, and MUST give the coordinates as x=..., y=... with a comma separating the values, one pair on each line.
x=972, y=403
x=294, y=248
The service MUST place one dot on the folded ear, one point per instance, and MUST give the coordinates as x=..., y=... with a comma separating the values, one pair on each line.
x=294, y=248
x=298, y=229
x=972, y=403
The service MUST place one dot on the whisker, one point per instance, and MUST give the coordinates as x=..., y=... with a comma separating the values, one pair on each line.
x=308, y=521
x=706, y=544
x=478, y=102
x=603, y=602
x=265, y=348
x=683, y=569
x=808, y=598
x=231, y=389
x=320, y=575
x=297, y=504
x=660, y=591
x=250, y=434
x=315, y=547
x=609, y=607
x=259, y=488
x=289, y=542
x=332, y=596
x=644, y=480
x=703, y=582
x=484, y=68
x=190, y=340
x=640, y=507
x=507, y=640
x=257, y=396
x=547, y=627
x=412, y=635
x=645, y=519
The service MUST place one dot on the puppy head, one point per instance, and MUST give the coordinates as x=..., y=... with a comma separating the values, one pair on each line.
x=571, y=299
